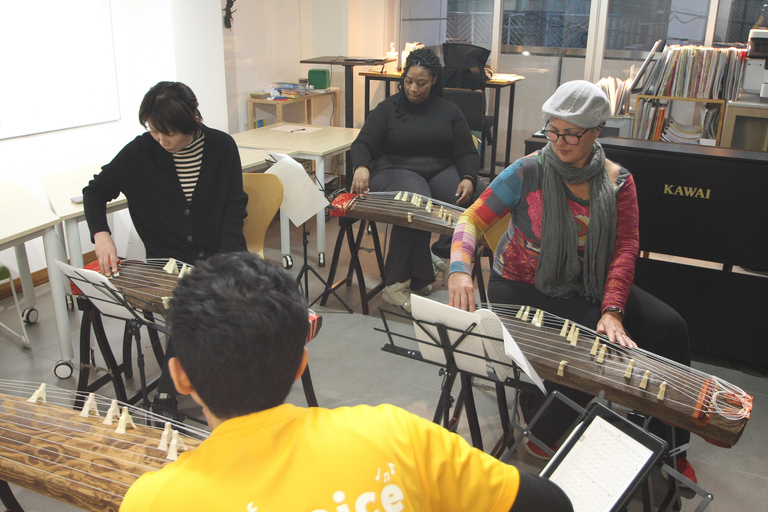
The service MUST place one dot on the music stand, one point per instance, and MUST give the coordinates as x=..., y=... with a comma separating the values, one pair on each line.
x=467, y=345
x=302, y=200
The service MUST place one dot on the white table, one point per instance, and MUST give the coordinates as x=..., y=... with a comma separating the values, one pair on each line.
x=255, y=160
x=305, y=141
x=26, y=218
x=61, y=187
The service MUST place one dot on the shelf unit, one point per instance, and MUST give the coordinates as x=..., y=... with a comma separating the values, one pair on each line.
x=641, y=97
x=281, y=113
x=746, y=126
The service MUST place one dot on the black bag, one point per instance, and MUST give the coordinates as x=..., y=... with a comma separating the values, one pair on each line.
x=464, y=66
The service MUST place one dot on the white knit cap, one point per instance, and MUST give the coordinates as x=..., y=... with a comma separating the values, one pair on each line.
x=578, y=102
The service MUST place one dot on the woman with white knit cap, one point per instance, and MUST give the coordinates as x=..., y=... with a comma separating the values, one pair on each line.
x=570, y=249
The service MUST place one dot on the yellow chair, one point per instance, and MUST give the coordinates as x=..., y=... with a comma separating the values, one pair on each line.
x=487, y=248
x=265, y=194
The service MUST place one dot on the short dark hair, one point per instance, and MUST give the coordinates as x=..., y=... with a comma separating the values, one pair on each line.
x=239, y=325
x=171, y=107
x=425, y=58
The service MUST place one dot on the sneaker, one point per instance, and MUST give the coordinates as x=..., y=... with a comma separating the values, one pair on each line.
x=438, y=265
x=398, y=294
x=424, y=291
x=536, y=452
x=167, y=407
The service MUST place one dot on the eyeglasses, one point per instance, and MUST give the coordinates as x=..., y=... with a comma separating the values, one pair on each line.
x=570, y=138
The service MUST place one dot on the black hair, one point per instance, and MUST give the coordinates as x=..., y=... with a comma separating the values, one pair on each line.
x=171, y=107
x=425, y=58
x=239, y=325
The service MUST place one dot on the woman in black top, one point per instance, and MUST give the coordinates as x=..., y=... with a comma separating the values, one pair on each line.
x=184, y=186
x=416, y=141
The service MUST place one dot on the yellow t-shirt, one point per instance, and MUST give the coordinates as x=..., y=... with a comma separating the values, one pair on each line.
x=352, y=459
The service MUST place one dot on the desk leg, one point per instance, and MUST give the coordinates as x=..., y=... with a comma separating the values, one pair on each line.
x=509, y=122
x=320, y=176
x=367, y=96
x=348, y=122
x=285, y=239
x=53, y=245
x=496, y=103
x=25, y=276
x=72, y=229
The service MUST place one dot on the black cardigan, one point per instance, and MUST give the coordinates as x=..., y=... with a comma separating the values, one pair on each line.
x=169, y=226
x=435, y=127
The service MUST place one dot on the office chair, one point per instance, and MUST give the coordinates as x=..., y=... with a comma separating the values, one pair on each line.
x=5, y=273
x=472, y=105
x=265, y=194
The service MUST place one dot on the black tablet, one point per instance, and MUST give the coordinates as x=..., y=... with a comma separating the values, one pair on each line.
x=603, y=461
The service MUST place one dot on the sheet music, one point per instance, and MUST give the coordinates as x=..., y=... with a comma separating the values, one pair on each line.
x=302, y=200
x=506, y=351
x=434, y=312
x=600, y=467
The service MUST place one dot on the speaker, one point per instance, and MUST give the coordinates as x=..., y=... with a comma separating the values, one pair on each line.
x=319, y=78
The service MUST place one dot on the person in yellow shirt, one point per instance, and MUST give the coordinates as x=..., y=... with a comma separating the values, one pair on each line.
x=239, y=325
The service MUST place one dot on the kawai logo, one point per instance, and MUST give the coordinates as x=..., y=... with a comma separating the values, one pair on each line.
x=677, y=190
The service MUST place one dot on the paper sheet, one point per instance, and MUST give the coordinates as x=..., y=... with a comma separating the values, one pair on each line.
x=431, y=311
x=492, y=326
x=292, y=128
x=302, y=200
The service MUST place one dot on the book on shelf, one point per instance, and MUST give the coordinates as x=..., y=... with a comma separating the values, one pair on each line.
x=697, y=72
x=617, y=91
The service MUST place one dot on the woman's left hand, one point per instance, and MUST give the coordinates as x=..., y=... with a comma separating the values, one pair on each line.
x=465, y=191
x=611, y=325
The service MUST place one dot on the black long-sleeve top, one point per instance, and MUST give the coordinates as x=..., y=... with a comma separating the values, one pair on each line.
x=435, y=127
x=168, y=225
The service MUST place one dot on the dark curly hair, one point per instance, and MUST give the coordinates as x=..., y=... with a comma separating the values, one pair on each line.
x=425, y=58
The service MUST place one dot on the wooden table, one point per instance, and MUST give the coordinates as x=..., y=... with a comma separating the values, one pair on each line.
x=497, y=83
x=307, y=100
x=257, y=160
x=26, y=218
x=61, y=187
x=316, y=145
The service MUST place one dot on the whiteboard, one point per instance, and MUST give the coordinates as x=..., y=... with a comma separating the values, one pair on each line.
x=57, y=62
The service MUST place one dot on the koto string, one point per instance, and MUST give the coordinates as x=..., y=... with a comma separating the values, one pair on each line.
x=552, y=347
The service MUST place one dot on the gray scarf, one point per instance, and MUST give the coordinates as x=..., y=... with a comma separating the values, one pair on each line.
x=557, y=273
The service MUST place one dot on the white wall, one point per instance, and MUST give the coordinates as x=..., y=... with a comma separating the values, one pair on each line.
x=185, y=40
x=154, y=40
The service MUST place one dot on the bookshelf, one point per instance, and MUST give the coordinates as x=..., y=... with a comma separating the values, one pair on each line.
x=294, y=110
x=653, y=117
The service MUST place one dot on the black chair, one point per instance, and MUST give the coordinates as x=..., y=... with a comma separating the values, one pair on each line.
x=472, y=105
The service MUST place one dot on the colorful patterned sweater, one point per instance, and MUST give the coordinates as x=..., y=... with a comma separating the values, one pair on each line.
x=517, y=253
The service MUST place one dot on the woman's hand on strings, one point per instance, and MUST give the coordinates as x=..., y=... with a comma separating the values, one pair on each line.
x=106, y=252
x=465, y=191
x=461, y=291
x=611, y=325
x=360, y=180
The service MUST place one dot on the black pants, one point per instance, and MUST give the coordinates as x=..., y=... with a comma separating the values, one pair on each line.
x=651, y=323
x=408, y=256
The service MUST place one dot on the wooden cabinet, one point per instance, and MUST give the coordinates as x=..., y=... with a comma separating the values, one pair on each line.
x=746, y=126
x=294, y=110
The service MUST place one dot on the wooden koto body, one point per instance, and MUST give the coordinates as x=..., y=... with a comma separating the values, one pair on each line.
x=569, y=354
x=52, y=450
x=400, y=209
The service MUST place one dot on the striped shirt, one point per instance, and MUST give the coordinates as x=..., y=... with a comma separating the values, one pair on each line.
x=188, y=162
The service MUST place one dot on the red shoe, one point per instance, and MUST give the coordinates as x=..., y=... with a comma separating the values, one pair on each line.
x=685, y=469
x=536, y=452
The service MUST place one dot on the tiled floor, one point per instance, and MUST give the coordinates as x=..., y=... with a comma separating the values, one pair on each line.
x=348, y=367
